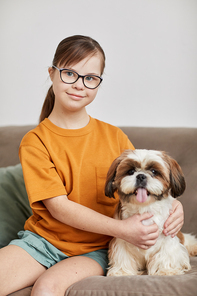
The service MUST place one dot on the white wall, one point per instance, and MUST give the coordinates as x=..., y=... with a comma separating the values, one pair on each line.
x=151, y=48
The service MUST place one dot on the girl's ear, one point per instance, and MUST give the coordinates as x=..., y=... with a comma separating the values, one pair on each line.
x=51, y=72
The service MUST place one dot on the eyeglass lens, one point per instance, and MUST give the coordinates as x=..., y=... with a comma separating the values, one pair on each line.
x=90, y=81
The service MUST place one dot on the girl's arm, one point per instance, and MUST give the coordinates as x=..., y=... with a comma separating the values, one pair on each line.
x=175, y=221
x=81, y=217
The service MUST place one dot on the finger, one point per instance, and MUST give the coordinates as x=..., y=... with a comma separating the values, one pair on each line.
x=175, y=214
x=173, y=231
x=145, y=216
x=144, y=247
x=153, y=230
x=173, y=220
x=148, y=244
x=174, y=224
x=151, y=239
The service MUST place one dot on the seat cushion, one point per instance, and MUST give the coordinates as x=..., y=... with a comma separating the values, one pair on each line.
x=14, y=204
x=137, y=285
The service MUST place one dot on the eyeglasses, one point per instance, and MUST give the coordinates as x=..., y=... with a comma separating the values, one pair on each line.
x=69, y=76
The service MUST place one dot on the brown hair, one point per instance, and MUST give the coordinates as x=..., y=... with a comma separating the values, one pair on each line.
x=71, y=51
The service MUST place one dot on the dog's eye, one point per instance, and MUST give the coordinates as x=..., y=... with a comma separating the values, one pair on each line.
x=131, y=172
x=154, y=172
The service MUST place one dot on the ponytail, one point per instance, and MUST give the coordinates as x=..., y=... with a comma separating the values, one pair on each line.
x=48, y=104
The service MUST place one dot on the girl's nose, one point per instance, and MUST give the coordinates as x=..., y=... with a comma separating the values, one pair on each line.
x=79, y=84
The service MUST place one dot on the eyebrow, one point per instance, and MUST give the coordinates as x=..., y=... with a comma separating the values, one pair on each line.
x=133, y=163
x=94, y=74
x=128, y=164
x=155, y=165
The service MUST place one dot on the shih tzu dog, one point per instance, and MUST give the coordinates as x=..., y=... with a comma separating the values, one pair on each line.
x=147, y=181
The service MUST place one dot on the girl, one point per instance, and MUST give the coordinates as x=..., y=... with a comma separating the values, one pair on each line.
x=65, y=160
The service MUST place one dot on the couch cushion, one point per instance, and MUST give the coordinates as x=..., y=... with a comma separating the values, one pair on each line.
x=14, y=205
x=138, y=285
x=23, y=292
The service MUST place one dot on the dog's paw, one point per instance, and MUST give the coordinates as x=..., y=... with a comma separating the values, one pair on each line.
x=116, y=273
x=168, y=272
x=120, y=272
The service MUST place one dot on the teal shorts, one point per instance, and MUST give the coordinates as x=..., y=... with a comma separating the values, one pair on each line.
x=48, y=255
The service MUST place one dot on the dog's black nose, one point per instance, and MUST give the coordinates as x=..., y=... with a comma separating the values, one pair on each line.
x=141, y=179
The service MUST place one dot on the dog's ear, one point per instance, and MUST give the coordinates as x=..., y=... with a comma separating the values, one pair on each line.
x=110, y=186
x=177, y=180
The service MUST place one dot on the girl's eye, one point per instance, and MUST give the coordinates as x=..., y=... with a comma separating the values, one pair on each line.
x=131, y=172
x=69, y=73
x=89, y=78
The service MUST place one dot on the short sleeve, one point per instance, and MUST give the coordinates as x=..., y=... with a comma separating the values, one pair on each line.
x=41, y=178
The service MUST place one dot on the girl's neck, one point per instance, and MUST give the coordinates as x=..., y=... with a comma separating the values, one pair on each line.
x=72, y=120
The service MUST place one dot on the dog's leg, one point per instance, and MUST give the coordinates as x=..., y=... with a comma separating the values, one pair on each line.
x=122, y=260
x=172, y=258
x=190, y=242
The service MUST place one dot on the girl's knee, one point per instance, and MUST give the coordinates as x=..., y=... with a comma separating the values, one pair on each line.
x=46, y=287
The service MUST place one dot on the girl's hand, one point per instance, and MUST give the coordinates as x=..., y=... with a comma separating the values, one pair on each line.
x=131, y=229
x=175, y=221
x=138, y=234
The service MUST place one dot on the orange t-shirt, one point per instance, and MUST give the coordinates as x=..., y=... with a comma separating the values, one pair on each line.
x=75, y=163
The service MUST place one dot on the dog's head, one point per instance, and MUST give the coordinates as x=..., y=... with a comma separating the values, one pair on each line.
x=145, y=176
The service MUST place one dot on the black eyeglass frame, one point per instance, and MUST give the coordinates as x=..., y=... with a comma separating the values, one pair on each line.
x=78, y=76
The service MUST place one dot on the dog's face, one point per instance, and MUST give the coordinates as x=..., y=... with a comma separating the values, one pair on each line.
x=144, y=176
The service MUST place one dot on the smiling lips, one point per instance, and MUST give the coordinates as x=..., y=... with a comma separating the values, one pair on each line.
x=75, y=97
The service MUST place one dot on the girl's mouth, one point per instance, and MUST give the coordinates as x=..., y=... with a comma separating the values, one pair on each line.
x=75, y=97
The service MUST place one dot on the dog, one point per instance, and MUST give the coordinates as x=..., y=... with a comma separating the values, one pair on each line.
x=148, y=181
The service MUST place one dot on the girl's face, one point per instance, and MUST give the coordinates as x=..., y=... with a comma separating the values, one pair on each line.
x=74, y=97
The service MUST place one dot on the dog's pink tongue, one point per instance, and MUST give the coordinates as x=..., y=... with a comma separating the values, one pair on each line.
x=141, y=195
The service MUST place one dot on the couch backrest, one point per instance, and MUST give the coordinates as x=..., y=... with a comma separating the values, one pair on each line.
x=10, y=138
x=180, y=143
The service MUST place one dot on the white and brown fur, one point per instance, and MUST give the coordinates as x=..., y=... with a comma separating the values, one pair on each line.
x=163, y=180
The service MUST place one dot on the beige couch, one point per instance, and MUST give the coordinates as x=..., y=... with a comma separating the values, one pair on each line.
x=180, y=143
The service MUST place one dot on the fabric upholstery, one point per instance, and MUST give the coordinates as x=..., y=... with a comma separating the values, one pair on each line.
x=23, y=292
x=10, y=138
x=181, y=144
x=14, y=205
x=144, y=285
